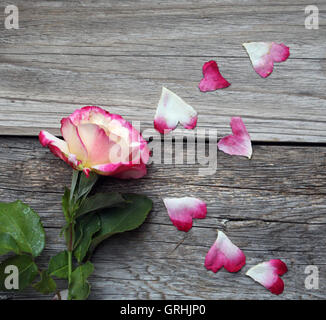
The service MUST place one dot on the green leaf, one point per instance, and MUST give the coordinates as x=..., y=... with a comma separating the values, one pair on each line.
x=79, y=288
x=65, y=204
x=117, y=220
x=100, y=201
x=89, y=225
x=78, y=234
x=8, y=244
x=58, y=266
x=23, y=225
x=46, y=285
x=27, y=271
x=86, y=184
x=74, y=180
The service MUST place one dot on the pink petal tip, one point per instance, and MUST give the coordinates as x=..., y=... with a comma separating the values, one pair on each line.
x=213, y=79
x=264, y=54
x=239, y=142
x=171, y=110
x=182, y=210
x=224, y=253
x=268, y=275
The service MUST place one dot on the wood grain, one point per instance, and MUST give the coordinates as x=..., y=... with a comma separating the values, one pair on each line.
x=118, y=54
x=272, y=206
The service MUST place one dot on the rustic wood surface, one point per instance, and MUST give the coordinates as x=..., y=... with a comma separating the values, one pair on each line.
x=272, y=206
x=118, y=54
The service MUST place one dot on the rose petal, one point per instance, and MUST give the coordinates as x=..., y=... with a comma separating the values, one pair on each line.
x=70, y=133
x=182, y=210
x=267, y=274
x=213, y=79
x=224, y=253
x=58, y=147
x=172, y=109
x=239, y=142
x=47, y=139
x=264, y=54
x=120, y=170
x=102, y=142
x=96, y=142
x=117, y=129
x=91, y=114
x=134, y=172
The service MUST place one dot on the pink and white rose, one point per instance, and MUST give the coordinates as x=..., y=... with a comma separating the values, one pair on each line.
x=96, y=140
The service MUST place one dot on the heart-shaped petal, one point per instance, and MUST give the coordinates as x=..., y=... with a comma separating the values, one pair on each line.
x=264, y=54
x=268, y=274
x=182, y=210
x=224, y=253
x=239, y=142
x=172, y=109
x=213, y=79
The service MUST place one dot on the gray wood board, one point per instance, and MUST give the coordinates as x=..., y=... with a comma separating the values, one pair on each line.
x=272, y=206
x=118, y=54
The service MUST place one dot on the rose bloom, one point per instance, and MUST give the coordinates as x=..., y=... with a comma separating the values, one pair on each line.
x=96, y=140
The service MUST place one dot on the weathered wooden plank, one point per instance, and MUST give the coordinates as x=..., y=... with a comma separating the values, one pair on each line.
x=291, y=178
x=119, y=54
x=269, y=110
x=169, y=27
x=158, y=262
x=271, y=206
